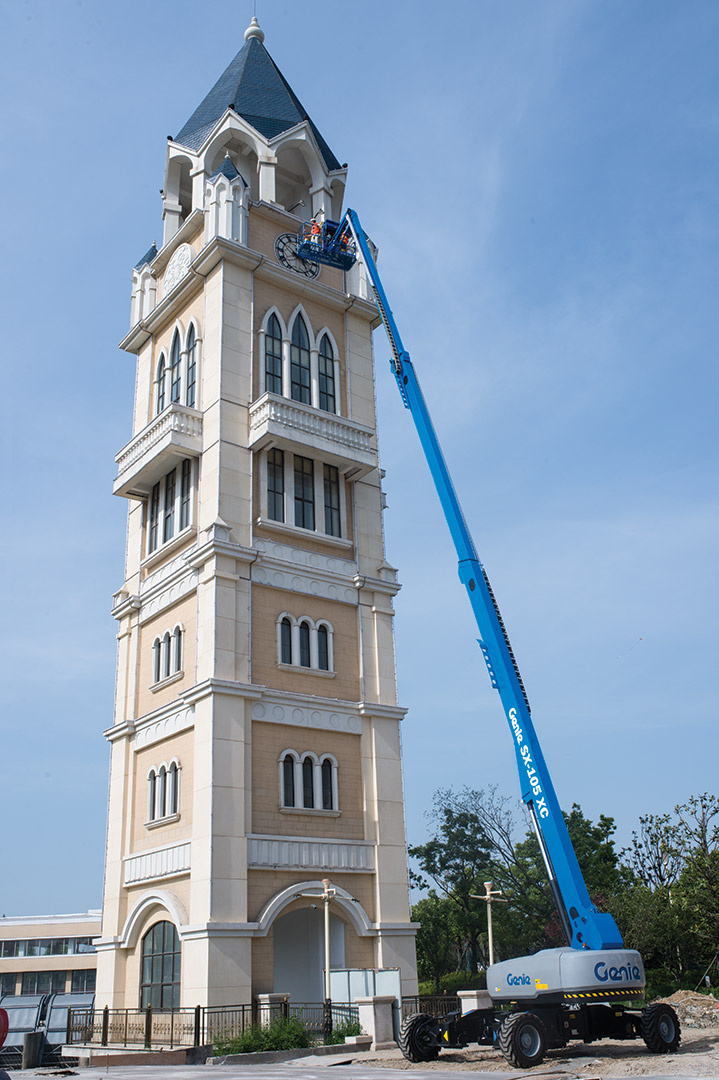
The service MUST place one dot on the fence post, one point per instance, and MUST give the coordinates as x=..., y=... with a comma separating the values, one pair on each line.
x=105, y=1025
x=327, y=1020
x=148, y=1027
x=198, y=1019
x=68, y=1033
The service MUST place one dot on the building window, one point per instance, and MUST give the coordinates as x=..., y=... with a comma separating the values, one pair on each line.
x=300, y=362
x=167, y=654
x=7, y=983
x=308, y=782
x=323, y=648
x=273, y=357
x=332, y=500
x=83, y=981
x=304, y=493
x=43, y=982
x=304, y=643
x=288, y=780
x=160, y=977
x=46, y=947
x=276, y=485
x=170, y=503
x=163, y=791
x=285, y=642
x=175, y=368
x=160, y=379
x=326, y=375
x=190, y=393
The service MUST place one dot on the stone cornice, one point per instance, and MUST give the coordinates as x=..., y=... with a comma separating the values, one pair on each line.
x=221, y=686
x=389, y=588
x=385, y=712
x=125, y=606
x=215, y=547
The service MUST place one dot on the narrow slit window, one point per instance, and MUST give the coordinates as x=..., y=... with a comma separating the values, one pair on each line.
x=190, y=393
x=304, y=644
x=308, y=784
x=326, y=365
x=168, y=523
x=175, y=368
x=332, y=500
x=185, y=493
x=177, y=650
x=151, y=795
x=156, y=660
x=286, y=641
x=273, y=357
x=323, y=651
x=160, y=389
x=300, y=362
x=161, y=791
x=304, y=493
x=276, y=485
x=173, y=800
x=288, y=781
x=167, y=658
x=327, y=785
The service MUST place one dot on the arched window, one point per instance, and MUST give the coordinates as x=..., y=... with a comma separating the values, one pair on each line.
x=151, y=795
x=173, y=786
x=327, y=799
x=304, y=644
x=161, y=793
x=160, y=975
x=177, y=649
x=175, y=368
x=288, y=780
x=300, y=362
x=308, y=783
x=323, y=649
x=160, y=386
x=156, y=660
x=190, y=392
x=285, y=642
x=326, y=373
x=273, y=356
x=167, y=665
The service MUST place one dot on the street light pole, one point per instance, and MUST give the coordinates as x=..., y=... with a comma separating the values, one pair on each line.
x=490, y=897
x=326, y=896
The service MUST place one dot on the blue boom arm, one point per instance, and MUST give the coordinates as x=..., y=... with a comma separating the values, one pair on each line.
x=584, y=925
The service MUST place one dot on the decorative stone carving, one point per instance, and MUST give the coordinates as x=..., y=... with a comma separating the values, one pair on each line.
x=177, y=267
x=299, y=715
x=160, y=863
x=265, y=852
x=164, y=726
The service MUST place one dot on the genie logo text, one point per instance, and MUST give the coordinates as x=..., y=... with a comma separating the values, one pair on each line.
x=518, y=980
x=626, y=973
x=539, y=800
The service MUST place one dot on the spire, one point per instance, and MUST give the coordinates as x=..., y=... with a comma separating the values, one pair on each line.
x=255, y=88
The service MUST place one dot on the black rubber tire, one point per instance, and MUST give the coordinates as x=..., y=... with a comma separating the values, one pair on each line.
x=523, y=1040
x=660, y=1028
x=415, y=1037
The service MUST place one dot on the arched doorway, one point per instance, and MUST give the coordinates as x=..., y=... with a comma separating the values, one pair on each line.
x=299, y=953
x=160, y=972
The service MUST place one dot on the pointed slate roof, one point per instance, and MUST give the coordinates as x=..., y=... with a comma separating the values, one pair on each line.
x=228, y=170
x=147, y=257
x=255, y=88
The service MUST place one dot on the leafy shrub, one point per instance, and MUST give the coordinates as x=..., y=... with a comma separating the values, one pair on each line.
x=340, y=1032
x=281, y=1034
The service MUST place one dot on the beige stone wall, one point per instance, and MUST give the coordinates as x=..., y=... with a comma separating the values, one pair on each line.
x=184, y=613
x=266, y=225
x=262, y=885
x=150, y=354
x=267, y=605
x=181, y=747
x=268, y=743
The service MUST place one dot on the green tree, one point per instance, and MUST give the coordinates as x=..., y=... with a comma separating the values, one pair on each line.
x=436, y=938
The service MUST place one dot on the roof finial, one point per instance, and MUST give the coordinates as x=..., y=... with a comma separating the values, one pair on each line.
x=254, y=31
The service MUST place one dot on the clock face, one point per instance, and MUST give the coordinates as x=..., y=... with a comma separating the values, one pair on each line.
x=286, y=252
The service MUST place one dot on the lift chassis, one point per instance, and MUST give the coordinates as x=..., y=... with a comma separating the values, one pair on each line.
x=538, y=1002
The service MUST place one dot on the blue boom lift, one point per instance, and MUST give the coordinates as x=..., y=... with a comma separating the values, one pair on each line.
x=556, y=995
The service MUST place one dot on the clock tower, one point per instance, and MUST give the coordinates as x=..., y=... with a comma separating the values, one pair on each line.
x=256, y=737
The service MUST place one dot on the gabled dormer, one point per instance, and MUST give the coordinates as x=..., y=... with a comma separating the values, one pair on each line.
x=252, y=124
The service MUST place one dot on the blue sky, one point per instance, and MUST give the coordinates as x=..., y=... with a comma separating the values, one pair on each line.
x=541, y=181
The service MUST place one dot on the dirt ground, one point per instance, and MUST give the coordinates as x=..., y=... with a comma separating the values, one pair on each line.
x=698, y=1053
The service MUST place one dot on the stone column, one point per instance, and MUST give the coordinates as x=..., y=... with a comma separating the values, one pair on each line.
x=375, y=1017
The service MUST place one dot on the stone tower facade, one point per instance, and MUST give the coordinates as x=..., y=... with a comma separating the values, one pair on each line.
x=256, y=739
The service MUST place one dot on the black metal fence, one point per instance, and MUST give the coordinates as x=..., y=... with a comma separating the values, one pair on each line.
x=169, y=1028
x=433, y=1005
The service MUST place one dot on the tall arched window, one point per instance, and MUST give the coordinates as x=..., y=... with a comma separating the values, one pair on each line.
x=173, y=793
x=156, y=660
x=286, y=642
x=151, y=795
x=160, y=385
x=160, y=976
x=300, y=362
x=327, y=785
x=288, y=780
x=273, y=356
x=177, y=649
x=190, y=392
x=323, y=649
x=308, y=783
x=161, y=793
x=326, y=373
x=167, y=666
x=175, y=368
x=304, y=644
